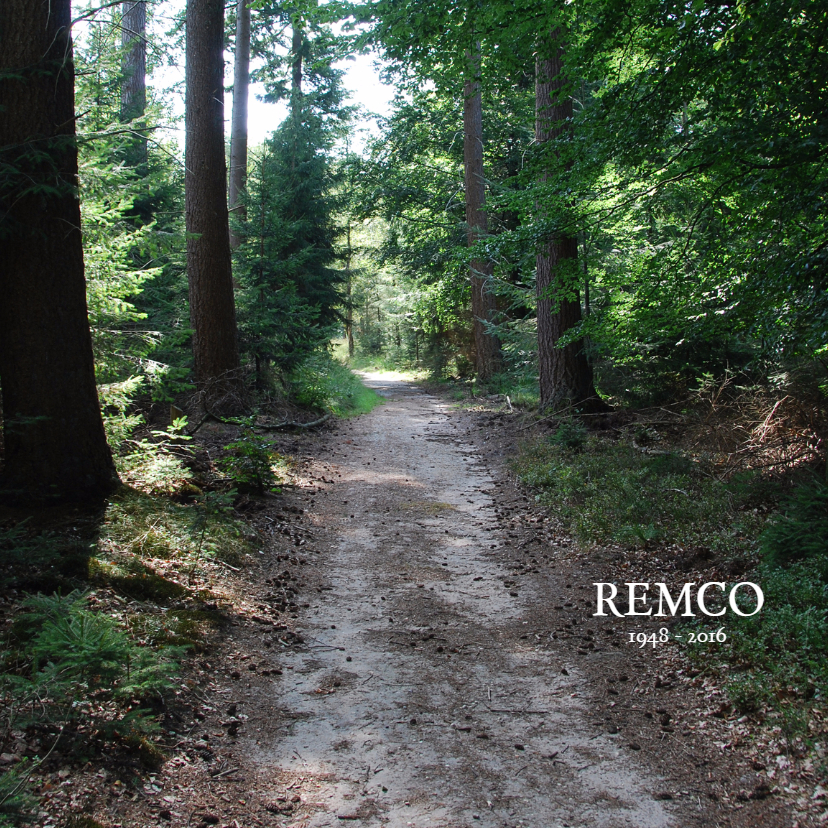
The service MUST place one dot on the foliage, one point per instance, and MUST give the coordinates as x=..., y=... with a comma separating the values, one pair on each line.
x=570, y=434
x=286, y=266
x=322, y=382
x=131, y=229
x=250, y=463
x=782, y=652
x=612, y=492
x=149, y=527
x=17, y=805
x=65, y=662
x=116, y=400
x=157, y=466
x=799, y=531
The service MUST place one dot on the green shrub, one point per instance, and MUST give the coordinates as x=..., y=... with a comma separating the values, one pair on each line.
x=157, y=467
x=322, y=382
x=800, y=530
x=63, y=655
x=250, y=463
x=570, y=434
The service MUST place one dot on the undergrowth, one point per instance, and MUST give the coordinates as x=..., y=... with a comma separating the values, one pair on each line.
x=782, y=652
x=106, y=604
x=324, y=383
x=611, y=492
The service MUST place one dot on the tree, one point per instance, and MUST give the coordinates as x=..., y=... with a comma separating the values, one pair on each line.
x=443, y=32
x=209, y=272
x=134, y=81
x=238, y=126
x=486, y=345
x=55, y=447
x=288, y=284
x=565, y=372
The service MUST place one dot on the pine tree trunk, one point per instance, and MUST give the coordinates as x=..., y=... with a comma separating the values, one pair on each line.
x=486, y=346
x=238, y=127
x=349, y=307
x=296, y=61
x=55, y=447
x=565, y=373
x=134, y=69
x=212, y=308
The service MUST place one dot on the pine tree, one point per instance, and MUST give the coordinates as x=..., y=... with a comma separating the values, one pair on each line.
x=55, y=446
x=212, y=307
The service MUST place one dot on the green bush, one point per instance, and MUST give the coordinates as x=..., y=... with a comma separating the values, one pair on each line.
x=322, y=382
x=570, y=434
x=61, y=656
x=249, y=463
x=800, y=530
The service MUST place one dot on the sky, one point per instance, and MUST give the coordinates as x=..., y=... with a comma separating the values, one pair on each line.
x=361, y=80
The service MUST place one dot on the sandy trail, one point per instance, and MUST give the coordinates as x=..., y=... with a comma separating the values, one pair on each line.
x=429, y=692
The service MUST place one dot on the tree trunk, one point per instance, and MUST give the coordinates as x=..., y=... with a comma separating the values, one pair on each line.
x=55, y=447
x=349, y=308
x=296, y=61
x=238, y=127
x=565, y=373
x=486, y=346
x=209, y=273
x=134, y=71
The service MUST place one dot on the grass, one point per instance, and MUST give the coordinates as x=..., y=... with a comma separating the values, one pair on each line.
x=324, y=383
x=607, y=492
x=610, y=492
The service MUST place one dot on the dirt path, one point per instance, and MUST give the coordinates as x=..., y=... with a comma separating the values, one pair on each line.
x=429, y=690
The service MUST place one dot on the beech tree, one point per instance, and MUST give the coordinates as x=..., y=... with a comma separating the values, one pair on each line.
x=209, y=272
x=55, y=447
x=238, y=124
x=565, y=372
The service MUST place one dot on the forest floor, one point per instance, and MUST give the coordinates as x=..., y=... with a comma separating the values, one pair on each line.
x=415, y=646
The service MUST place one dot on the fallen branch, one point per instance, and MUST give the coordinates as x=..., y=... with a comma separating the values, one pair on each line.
x=293, y=424
x=225, y=773
x=286, y=424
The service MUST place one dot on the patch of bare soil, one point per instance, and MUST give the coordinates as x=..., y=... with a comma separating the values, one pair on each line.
x=416, y=647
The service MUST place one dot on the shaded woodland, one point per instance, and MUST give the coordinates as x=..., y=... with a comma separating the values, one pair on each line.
x=605, y=218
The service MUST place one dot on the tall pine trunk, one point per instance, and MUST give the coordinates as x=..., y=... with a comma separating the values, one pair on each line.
x=209, y=273
x=134, y=73
x=565, y=373
x=55, y=447
x=238, y=126
x=486, y=346
x=349, y=306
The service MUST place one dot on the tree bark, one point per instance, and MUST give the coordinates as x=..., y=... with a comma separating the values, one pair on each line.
x=134, y=71
x=349, y=307
x=297, y=41
x=209, y=272
x=238, y=127
x=565, y=373
x=486, y=346
x=55, y=447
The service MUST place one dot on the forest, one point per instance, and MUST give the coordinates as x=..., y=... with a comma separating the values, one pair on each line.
x=595, y=230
